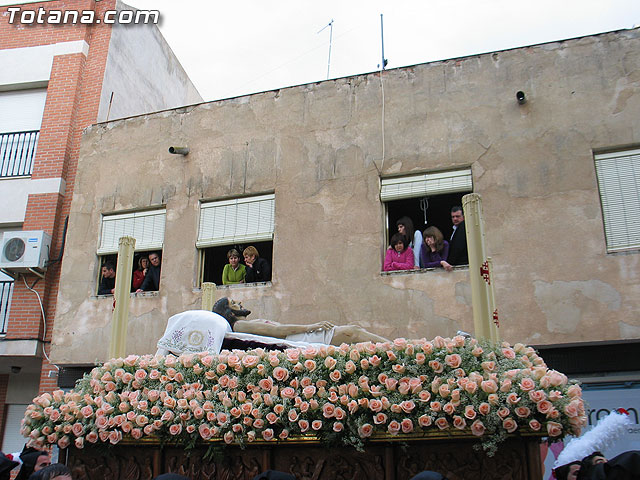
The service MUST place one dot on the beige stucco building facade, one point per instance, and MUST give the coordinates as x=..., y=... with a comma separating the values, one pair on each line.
x=322, y=150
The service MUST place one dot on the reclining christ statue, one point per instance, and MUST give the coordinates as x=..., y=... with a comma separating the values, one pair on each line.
x=227, y=327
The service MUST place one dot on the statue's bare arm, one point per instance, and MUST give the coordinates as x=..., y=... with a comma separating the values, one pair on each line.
x=275, y=329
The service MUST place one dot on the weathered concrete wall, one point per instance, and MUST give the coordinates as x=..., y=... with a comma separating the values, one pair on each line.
x=319, y=148
x=143, y=73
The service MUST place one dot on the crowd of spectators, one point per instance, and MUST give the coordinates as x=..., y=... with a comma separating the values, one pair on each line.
x=412, y=249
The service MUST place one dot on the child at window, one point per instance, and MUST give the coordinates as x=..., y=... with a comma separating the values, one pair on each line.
x=234, y=271
x=435, y=250
x=398, y=257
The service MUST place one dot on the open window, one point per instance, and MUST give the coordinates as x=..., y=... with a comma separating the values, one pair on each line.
x=426, y=199
x=235, y=223
x=147, y=227
x=619, y=186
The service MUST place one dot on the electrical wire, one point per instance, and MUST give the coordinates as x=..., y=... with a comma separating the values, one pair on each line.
x=44, y=321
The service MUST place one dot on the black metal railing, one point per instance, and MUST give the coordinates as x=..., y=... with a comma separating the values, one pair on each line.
x=6, y=288
x=17, y=151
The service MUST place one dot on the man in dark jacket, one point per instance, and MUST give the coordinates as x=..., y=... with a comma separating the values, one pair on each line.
x=258, y=269
x=108, y=282
x=151, y=281
x=458, y=243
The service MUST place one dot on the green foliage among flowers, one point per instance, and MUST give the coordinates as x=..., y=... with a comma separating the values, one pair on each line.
x=343, y=394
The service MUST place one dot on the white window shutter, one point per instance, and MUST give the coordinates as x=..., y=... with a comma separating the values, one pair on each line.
x=436, y=183
x=146, y=227
x=225, y=222
x=619, y=184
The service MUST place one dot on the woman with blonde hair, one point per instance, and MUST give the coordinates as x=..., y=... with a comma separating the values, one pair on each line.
x=233, y=272
x=435, y=250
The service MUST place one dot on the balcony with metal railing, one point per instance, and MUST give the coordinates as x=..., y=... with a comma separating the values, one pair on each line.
x=17, y=151
x=6, y=288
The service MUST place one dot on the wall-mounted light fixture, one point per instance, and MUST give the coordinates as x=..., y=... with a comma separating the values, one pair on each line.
x=179, y=150
x=520, y=96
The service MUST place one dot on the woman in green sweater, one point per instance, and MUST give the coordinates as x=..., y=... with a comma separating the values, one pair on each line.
x=234, y=271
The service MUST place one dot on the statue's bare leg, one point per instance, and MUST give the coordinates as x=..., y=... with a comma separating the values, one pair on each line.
x=354, y=334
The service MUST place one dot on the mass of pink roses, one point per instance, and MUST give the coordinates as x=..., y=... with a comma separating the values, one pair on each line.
x=345, y=394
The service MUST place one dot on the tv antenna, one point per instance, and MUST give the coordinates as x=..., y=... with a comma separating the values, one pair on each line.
x=330, y=25
x=384, y=60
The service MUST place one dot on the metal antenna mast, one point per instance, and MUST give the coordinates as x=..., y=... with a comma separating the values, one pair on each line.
x=384, y=60
x=330, y=25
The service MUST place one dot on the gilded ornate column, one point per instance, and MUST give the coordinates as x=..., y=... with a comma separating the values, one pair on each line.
x=485, y=313
x=208, y=295
x=122, y=296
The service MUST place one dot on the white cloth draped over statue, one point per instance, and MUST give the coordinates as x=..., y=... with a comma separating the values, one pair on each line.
x=197, y=331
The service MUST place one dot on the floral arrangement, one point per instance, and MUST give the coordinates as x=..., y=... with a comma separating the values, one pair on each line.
x=343, y=394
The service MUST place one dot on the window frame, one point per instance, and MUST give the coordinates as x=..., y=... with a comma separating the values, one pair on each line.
x=417, y=186
x=617, y=201
x=202, y=244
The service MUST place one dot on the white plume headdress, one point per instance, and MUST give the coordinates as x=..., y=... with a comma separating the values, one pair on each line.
x=600, y=437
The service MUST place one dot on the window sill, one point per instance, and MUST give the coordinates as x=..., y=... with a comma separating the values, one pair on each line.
x=132, y=295
x=243, y=285
x=422, y=270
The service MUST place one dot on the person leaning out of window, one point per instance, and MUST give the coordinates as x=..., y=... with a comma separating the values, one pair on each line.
x=140, y=273
x=233, y=272
x=151, y=281
x=258, y=269
x=435, y=250
x=399, y=256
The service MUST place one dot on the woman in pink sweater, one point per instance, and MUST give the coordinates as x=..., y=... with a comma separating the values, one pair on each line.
x=398, y=257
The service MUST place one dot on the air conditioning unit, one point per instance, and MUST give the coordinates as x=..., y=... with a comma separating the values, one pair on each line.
x=25, y=249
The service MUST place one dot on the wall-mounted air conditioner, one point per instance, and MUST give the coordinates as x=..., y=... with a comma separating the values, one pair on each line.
x=25, y=249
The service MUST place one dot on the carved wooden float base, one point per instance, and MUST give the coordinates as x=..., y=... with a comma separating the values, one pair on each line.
x=517, y=459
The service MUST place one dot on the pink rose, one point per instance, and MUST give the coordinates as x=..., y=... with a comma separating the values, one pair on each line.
x=406, y=425
x=65, y=441
x=436, y=366
x=554, y=429
x=469, y=412
x=338, y=426
x=365, y=430
x=280, y=374
x=503, y=412
x=454, y=360
x=544, y=406
x=330, y=362
x=424, y=396
x=449, y=408
x=494, y=399
x=380, y=418
x=478, y=428
x=328, y=410
x=335, y=375
x=435, y=406
x=537, y=395
x=425, y=421
x=304, y=425
x=526, y=384
x=489, y=386
x=513, y=398
x=114, y=437
x=91, y=437
x=316, y=425
x=459, y=422
x=79, y=443
x=394, y=427
x=205, y=431
x=175, y=429
x=375, y=405
x=534, y=425
x=250, y=361
x=228, y=437
x=442, y=423
x=574, y=391
x=509, y=424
